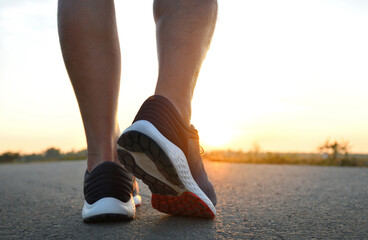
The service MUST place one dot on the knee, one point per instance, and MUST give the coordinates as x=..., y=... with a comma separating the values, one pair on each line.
x=163, y=8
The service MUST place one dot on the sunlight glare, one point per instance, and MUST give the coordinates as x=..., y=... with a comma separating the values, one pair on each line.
x=211, y=135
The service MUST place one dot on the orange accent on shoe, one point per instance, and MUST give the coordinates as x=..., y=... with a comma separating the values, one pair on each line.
x=187, y=204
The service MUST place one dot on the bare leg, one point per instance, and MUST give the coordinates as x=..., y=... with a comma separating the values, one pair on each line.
x=184, y=32
x=90, y=47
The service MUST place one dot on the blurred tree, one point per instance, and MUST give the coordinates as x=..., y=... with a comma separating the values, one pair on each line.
x=9, y=157
x=52, y=153
x=335, y=148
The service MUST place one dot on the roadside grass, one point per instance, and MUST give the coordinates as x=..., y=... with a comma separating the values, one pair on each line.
x=317, y=159
x=254, y=157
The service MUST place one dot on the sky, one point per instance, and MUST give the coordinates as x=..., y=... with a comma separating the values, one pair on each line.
x=285, y=75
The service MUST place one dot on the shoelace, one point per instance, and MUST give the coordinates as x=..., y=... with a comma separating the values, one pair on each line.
x=201, y=151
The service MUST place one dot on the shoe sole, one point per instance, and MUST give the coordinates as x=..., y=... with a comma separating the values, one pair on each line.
x=161, y=165
x=108, y=210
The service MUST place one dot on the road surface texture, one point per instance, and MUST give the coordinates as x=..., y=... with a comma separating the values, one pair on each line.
x=44, y=201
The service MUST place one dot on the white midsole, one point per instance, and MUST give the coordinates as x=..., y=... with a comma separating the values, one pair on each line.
x=108, y=205
x=176, y=156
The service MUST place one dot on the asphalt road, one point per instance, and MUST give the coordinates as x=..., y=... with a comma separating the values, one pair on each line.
x=44, y=201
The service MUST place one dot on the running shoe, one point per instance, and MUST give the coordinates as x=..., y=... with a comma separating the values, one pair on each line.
x=164, y=152
x=111, y=194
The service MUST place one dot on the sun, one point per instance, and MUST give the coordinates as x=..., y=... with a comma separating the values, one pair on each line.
x=213, y=138
x=211, y=118
x=213, y=135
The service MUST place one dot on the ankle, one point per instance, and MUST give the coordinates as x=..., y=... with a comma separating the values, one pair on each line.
x=102, y=148
x=96, y=158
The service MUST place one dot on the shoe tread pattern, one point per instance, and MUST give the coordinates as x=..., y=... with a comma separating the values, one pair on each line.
x=163, y=199
x=135, y=141
x=155, y=185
